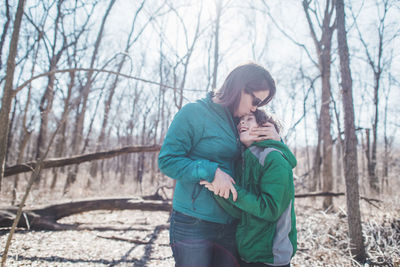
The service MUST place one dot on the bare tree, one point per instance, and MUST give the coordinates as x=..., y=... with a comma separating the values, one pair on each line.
x=323, y=48
x=323, y=44
x=185, y=60
x=131, y=124
x=132, y=39
x=4, y=33
x=8, y=92
x=46, y=102
x=85, y=90
x=26, y=131
x=378, y=63
x=72, y=61
x=388, y=141
x=218, y=9
x=140, y=162
x=350, y=152
x=339, y=145
x=60, y=141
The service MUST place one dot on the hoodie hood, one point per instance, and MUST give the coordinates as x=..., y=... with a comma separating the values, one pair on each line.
x=284, y=149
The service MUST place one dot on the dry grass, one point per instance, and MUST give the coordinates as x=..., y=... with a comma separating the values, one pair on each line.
x=323, y=239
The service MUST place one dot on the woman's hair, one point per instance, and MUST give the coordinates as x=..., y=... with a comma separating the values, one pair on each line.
x=249, y=77
x=262, y=117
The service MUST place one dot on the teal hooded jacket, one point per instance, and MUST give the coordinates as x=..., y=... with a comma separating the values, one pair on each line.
x=265, y=204
x=201, y=138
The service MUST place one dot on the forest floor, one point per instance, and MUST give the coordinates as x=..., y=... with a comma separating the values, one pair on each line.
x=140, y=238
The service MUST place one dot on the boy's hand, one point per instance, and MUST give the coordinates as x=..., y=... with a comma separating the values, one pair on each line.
x=207, y=185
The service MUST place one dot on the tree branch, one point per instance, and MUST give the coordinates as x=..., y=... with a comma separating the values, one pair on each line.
x=59, y=162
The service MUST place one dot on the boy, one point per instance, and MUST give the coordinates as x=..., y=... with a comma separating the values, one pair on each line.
x=266, y=234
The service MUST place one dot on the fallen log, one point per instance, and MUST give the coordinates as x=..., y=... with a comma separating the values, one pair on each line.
x=319, y=194
x=332, y=194
x=46, y=218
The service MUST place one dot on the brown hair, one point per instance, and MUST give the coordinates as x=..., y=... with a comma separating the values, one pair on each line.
x=262, y=117
x=249, y=77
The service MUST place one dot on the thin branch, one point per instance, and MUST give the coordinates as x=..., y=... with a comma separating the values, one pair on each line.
x=19, y=88
x=34, y=176
x=289, y=37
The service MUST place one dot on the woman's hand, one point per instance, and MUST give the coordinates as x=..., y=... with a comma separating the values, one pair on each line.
x=222, y=185
x=267, y=131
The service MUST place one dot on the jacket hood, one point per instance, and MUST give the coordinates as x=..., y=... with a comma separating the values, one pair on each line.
x=288, y=155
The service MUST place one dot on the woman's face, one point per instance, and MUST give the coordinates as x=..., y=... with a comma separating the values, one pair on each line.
x=246, y=123
x=249, y=101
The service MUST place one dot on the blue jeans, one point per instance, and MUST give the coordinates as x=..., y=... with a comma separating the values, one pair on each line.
x=260, y=264
x=199, y=243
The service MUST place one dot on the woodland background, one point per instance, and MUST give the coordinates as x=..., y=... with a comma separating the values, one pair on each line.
x=90, y=87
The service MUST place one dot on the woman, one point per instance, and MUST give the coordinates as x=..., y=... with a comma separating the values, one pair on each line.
x=202, y=144
x=266, y=234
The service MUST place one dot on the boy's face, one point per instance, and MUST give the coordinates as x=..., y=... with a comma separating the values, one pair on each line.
x=246, y=123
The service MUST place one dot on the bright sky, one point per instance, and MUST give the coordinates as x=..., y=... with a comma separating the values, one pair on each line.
x=245, y=35
x=250, y=35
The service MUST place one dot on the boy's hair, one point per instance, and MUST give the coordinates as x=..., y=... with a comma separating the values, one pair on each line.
x=262, y=117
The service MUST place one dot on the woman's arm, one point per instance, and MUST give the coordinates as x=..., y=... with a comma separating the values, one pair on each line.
x=173, y=160
x=181, y=136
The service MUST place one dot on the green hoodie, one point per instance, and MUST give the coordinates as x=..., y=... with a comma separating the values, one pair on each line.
x=265, y=204
x=201, y=138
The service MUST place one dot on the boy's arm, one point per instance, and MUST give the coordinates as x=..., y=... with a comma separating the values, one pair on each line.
x=228, y=207
x=274, y=195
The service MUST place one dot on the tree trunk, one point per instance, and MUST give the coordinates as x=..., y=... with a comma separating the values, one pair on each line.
x=107, y=107
x=339, y=148
x=316, y=177
x=61, y=142
x=8, y=93
x=10, y=132
x=350, y=153
x=124, y=162
x=140, y=162
x=387, y=142
x=323, y=49
x=339, y=166
x=24, y=138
